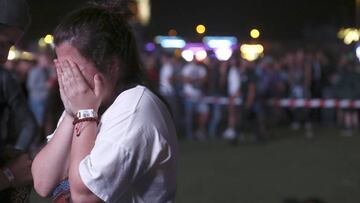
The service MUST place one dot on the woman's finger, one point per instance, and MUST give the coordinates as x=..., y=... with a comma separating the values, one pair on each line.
x=72, y=75
x=70, y=85
x=58, y=73
x=66, y=72
x=62, y=87
x=78, y=76
x=98, y=85
x=65, y=81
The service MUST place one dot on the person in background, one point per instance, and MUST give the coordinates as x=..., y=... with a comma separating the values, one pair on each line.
x=250, y=106
x=167, y=84
x=348, y=87
x=300, y=83
x=217, y=87
x=21, y=72
x=17, y=124
x=194, y=76
x=234, y=91
x=39, y=84
x=151, y=70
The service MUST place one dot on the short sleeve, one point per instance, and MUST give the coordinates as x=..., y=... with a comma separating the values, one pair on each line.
x=112, y=167
x=107, y=171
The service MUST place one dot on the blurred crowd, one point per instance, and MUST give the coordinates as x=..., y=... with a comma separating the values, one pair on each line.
x=37, y=78
x=297, y=74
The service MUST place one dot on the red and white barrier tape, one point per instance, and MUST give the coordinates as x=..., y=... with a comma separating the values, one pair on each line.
x=291, y=103
x=316, y=103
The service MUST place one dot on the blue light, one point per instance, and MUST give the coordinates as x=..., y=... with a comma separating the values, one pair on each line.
x=215, y=42
x=149, y=47
x=170, y=42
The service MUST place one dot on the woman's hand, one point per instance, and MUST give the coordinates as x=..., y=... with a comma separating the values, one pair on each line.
x=75, y=92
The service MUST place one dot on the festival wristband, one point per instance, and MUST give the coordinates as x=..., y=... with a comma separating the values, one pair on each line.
x=9, y=175
x=86, y=113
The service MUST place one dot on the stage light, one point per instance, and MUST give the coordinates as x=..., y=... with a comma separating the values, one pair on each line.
x=200, y=55
x=357, y=50
x=215, y=42
x=173, y=43
x=351, y=36
x=149, y=47
x=188, y=55
x=144, y=7
x=12, y=54
x=200, y=29
x=251, y=52
x=254, y=33
x=223, y=54
x=41, y=42
x=48, y=39
x=27, y=56
x=170, y=42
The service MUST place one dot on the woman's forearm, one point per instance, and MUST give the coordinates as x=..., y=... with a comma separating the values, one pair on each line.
x=51, y=164
x=80, y=148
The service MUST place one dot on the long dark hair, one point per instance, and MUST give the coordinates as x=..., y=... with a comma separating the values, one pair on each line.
x=101, y=34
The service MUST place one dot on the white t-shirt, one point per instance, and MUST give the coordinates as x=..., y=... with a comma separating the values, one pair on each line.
x=234, y=81
x=195, y=72
x=135, y=154
x=166, y=72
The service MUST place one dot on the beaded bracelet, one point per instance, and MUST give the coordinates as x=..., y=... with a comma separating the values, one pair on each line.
x=78, y=124
x=77, y=120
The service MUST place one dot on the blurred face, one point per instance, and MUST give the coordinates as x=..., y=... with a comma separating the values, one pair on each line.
x=65, y=51
x=44, y=61
x=8, y=37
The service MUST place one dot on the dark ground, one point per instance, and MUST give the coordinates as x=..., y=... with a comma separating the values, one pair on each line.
x=289, y=167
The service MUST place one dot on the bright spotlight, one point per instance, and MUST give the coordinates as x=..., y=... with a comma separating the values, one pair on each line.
x=188, y=55
x=358, y=52
x=48, y=39
x=254, y=33
x=11, y=55
x=223, y=54
x=200, y=29
x=251, y=52
x=200, y=55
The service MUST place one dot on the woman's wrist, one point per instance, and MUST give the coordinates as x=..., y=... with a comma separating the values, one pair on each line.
x=84, y=116
x=68, y=118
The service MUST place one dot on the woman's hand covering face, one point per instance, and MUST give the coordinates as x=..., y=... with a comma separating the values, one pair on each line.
x=75, y=91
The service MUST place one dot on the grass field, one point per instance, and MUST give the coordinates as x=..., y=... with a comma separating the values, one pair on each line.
x=289, y=166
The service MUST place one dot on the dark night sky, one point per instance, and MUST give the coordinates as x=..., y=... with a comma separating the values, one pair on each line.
x=275, y=18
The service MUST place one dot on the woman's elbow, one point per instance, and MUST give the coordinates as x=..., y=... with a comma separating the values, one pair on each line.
x=42, y=189
x=41, y=185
